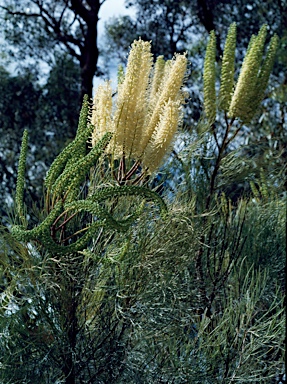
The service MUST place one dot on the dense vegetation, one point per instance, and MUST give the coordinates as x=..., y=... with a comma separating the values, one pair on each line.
x=155, y=251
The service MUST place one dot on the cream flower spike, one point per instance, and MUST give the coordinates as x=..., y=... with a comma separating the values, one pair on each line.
x=242, y=100
x=157, y=78
x=162, y=138
x=132, y=99
x=102, y=111
x=170, y=90
x=147, y=110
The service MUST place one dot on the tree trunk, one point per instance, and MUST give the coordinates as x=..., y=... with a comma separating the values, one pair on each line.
x=89, y=52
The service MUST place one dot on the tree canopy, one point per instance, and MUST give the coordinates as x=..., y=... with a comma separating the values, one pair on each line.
x=37, y=29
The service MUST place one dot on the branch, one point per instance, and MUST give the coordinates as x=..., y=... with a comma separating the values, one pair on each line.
x=63, y=11
x=215, y=136
x=234, y=135
x=18, y=13
x=51, y=23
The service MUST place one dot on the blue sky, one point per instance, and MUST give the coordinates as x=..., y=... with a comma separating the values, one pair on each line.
x=110, y=8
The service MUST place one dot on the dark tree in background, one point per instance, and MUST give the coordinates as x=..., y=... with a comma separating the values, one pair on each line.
x=63, y=35
x=177, y=26
x=49, y=112
x=18, y=99
x=36, y=28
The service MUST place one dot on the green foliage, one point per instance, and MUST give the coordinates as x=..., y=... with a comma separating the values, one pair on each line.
x=68, y=301
x=241, y=335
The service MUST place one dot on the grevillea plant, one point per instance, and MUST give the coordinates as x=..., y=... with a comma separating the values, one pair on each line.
x=137, y=133
x=84, y=302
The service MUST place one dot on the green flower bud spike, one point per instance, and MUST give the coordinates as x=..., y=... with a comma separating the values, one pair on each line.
x=21, y=178
x=227, y=69
x=209, y=79
x=242, y=103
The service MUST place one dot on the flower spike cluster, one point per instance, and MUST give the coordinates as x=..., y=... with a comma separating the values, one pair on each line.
x=139, y=127
x=64, y=199
x=242, y=100
x=147, y=109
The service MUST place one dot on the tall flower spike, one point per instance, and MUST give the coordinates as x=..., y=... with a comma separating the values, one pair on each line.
x=169, y=90
x=19, y=199
x=162, y=137
x=131, y=104
x=209, y=79
x=80, y=150
x=102, y=110
x=157, y=78
x=242, y=101
x=265, y=71
x=227, y=69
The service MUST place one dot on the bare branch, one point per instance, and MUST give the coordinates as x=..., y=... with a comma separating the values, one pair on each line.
x=62, y=13
x=18, y=13
x=55, y=25
x=52, y=25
